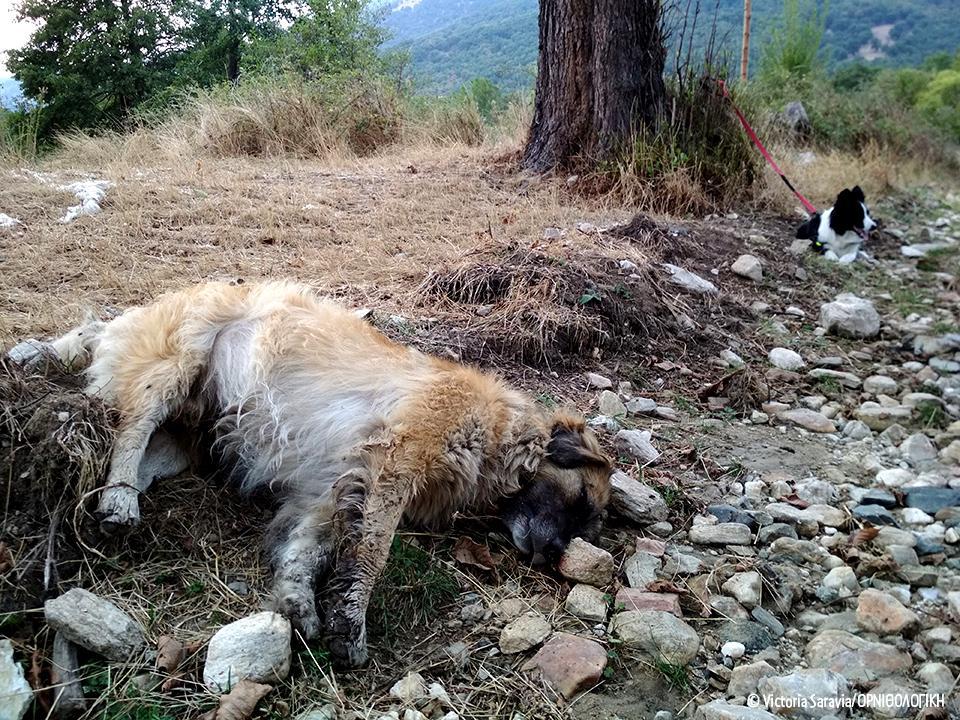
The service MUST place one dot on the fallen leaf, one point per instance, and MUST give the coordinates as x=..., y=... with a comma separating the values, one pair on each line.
x=796, y=501
x=6, y=558
x=35, y=678
x=240, y=702
x=170, y=653
x=864, y=535
x=468, y=552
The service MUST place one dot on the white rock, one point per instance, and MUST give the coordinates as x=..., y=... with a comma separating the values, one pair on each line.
x=636, y=501
x=527, y=631
x=255, y=647
x=587, y=603
x=641, y=406
x=94, y=624
x=410, y=688
x=785, y=359
x=690, y=281
x=818, y=683
x=733, y=649
x=748, y=266
x=611, y=405
x=15, y=692
x=660, y=634
x=641, y=569
x=722, y=710
x=599, y=381
x=857, y=430
x=850, y=316
x=894, y=477
x=918, y=449
x=721, y=534
x=746, y=587
x=880, y=385
x=637, y=444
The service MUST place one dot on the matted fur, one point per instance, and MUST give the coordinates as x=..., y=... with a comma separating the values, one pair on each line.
x=355, y=431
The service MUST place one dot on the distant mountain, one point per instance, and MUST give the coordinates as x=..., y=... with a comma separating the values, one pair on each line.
x=454, y=41
x=10, y=93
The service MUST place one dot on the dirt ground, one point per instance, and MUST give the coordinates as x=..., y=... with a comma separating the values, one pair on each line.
x=373, y=233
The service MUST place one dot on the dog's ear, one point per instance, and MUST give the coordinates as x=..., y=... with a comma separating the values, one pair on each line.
x=568, y=450
x=845, y=197
x=858, y=194
x=810, y=229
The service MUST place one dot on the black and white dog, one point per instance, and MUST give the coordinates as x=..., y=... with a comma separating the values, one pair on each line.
x=839, y=233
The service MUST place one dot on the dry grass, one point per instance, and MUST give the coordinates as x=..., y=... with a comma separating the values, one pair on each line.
x=823, y=175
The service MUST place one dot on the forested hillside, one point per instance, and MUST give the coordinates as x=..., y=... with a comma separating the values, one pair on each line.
x=453, y=41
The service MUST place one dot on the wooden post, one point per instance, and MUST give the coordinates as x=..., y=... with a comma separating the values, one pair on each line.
x=745, y=50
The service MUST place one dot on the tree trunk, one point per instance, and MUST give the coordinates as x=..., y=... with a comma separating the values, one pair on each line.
x=600, y=77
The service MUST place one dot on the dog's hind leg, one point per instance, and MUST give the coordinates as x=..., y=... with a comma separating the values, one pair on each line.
x=300, y=548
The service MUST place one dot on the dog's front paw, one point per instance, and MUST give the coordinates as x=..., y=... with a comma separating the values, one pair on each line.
x=346, y=637
x=301, y=611
x=119, y=509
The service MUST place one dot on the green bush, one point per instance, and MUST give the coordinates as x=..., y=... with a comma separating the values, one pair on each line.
x=939, y=101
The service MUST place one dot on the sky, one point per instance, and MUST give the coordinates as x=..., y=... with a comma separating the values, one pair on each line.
x=12, y=34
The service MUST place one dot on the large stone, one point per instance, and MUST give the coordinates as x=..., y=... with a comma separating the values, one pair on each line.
x=586, y=563
x=880, y=385
x=527, y=631
x=746, y=587
x=748, y=266
x=894, y=477
x=857, y=659
x=599, y=381
x=931, y=499
x=587, y=603
x=636, y=501
x=843, y=580
x=823, y=514
x=881, y=613
x=94, y=624
x=824, y=685
x=785, y=359
x=661, y=635
x=689, y=281
x=641, y=569
x=880, y=417
x=752, y=635
x=636, y=443
x=745, y=678
x=15, y=692
x=722, y=710
x=721, y=534
x=808, y=419
x=254, y=648
x=569, y=664
x=917, y=449
x=850, y=316
x=610, y=405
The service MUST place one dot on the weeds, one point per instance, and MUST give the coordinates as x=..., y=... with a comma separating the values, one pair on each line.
x=932, y=415
x=673, y=673
x=411, y=590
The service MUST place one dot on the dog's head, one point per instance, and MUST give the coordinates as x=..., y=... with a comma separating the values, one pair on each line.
x=850, y=213
x=566, y=495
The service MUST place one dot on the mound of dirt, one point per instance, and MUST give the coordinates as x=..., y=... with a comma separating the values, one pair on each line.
x=54, y=448
x=554, y=304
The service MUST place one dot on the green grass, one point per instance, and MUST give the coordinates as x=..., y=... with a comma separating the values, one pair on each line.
x=119, y=702
x=412, y=589
x=932, y=415
x=673, y=673
x=828, y=386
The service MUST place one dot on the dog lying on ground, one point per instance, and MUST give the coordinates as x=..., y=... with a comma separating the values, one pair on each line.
x=839, y=232
x=353, y=430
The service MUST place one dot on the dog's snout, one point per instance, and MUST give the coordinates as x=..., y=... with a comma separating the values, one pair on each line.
x=546, y=545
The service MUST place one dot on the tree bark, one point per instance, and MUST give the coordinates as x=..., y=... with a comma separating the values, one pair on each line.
x=745, y=45
x=600, y=77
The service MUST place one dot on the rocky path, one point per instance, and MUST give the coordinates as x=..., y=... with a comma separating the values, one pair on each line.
x=786, y=544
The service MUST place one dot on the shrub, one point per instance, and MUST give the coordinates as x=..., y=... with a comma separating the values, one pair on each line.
x=939, y=101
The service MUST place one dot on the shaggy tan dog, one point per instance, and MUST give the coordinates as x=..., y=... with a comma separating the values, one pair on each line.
x=355, y=431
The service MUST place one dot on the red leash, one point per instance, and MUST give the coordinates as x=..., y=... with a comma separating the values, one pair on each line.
x=763, y=151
